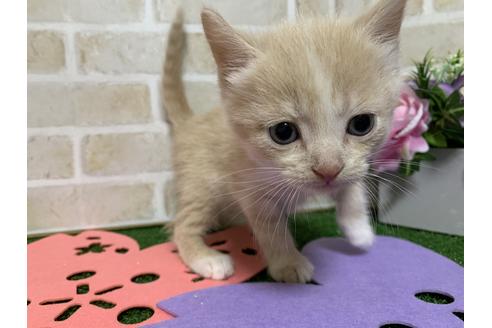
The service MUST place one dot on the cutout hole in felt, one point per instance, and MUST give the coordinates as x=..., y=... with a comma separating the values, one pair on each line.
x=82, y=289
x=395, y=325
x=93, y=238
x=460, y=315
x=92, y=248
x=121, y=250
x=218, y=243
x=67, y=313
x=197, y=279
x=108, y=290
x=28, y=302
x=249, y=251
x=103, y=304
x=435, y=297
x=135, y=315
x=81, y=275
x=60, y=301
x=223, y=251
x=145, y=278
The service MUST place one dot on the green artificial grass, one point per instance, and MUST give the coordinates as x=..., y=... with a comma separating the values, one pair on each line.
x=314, y=225
x=305, y=228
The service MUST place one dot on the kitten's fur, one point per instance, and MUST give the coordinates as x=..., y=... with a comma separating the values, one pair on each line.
x=315, y=73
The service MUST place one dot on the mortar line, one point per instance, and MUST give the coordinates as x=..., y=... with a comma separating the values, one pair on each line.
x=130, y=179
x=141, y=27
x=291, y=10
x=114, y=78
x=70, y=53
x=154, y=127
x=148, y=13
x=428, y=7
x=77, y=158
x=155, y=103
x=332, y=9
x=434, y=19
x=117, y=225
x=158, y=200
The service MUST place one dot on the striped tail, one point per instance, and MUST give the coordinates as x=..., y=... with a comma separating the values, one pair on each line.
x=175, y=103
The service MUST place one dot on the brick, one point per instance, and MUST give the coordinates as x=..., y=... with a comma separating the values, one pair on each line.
x=202, y=96
x=46, y=10
x=414, y=7
x=88, y=205
x=82, y=104
x=358, y=7
x=45, y=52
x=85, y=11
x=120, y=53
x=313, y=7
x=237, y=12
x=441, y=38
x=126, y=153
x=170, y=200
x=448, y=5
x=351, y=7
x=48, y=104
x=107, y=11
x=348, y=7
x=137, y=53
x=49, y=157
x=199, y=58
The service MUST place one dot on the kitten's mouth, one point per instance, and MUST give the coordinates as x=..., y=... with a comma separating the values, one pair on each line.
x=324, y=185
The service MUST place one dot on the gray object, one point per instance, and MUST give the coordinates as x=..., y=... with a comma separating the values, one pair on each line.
x=434, y=200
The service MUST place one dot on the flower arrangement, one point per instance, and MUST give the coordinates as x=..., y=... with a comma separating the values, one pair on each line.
x=430, y=114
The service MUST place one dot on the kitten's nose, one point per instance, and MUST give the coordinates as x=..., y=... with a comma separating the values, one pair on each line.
x=328, y=174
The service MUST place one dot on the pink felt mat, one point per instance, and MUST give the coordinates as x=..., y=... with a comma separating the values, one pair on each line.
x=118, y=276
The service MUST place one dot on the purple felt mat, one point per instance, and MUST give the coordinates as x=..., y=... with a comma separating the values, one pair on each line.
x=355, y=289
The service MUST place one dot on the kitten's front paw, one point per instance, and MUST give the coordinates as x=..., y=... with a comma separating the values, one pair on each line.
x=359, y=235
x=293, y=269
x=217, y=266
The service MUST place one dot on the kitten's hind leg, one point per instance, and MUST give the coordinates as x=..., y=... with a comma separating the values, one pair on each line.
x=191, y=225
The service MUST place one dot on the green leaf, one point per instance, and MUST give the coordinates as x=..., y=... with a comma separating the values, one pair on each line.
x=424, y=157
x=437, y=99
x=407, y=168
x=454, y=100
x=457, y=111
x=436, y=139
x=437, y=91
x=422, y=73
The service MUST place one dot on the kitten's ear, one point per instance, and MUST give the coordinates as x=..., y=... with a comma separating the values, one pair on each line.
x=231, y=52
x=383, y=21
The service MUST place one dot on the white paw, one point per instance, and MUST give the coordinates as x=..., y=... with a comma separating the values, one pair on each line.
x=360, y=235
x=217, y=266
x=293, y=269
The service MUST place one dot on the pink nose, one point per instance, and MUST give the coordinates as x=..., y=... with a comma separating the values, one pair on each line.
x=328, y=174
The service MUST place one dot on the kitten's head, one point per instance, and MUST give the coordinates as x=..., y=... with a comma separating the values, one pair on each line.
x=313, y=98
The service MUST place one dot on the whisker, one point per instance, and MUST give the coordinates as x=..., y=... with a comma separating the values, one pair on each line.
x=392, y=184
x=272, y=212
x=265, y=187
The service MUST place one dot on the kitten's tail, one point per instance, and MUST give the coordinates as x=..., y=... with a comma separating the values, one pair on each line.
x=175, y=103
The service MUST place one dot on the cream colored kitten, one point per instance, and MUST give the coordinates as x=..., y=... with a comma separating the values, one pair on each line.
x=304, y=106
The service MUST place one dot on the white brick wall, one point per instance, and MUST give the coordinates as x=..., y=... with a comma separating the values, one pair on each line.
x=98, y=150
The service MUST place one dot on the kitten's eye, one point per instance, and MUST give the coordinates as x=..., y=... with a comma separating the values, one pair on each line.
x=284, y=133
x=360, y=125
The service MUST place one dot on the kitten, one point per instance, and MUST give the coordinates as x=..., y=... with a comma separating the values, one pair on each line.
x=304, y=106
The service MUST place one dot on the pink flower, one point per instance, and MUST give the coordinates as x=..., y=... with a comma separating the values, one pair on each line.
x=409, y=122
